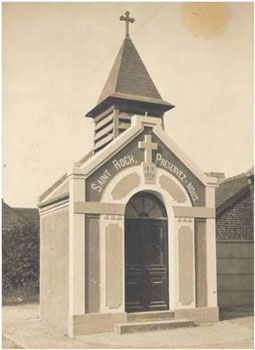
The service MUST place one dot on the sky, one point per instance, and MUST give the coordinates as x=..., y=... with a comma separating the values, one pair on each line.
x=57, y=57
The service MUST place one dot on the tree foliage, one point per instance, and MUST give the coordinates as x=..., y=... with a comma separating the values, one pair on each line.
x=20, y=257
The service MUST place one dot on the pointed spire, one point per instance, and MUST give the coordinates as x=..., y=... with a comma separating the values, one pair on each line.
x=129, y=80
x=129, y=75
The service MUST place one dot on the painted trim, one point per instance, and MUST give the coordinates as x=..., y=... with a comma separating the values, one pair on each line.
x=194, y=212
x=54, y=207
x=99, y=208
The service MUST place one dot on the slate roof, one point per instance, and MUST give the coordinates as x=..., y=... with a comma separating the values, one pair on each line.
x=231, y=187
x=130, y=77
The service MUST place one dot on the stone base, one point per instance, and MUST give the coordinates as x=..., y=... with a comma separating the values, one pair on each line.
x=199, y=315
x=150, y=316
x=96, y=323
x=100, y=323
x=150, y=326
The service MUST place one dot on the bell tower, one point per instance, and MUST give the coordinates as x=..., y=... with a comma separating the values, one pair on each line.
x=128, y=90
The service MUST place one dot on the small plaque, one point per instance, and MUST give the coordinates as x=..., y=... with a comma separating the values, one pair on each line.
x=149, y=172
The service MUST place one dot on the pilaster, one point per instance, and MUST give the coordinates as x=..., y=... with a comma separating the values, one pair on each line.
x=76, y=249
x=112, y=264
x=185, y=263
x=211, y=263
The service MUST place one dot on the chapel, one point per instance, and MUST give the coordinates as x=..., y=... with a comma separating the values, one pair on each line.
x=127, y=240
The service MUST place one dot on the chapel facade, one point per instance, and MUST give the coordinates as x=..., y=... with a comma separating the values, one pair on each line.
x=129, y=234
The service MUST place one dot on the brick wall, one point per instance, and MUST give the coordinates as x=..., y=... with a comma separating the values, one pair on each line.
x=235, y=223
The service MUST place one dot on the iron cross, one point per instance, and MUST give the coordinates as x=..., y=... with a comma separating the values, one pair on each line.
x=128, y=20
x=148, y=147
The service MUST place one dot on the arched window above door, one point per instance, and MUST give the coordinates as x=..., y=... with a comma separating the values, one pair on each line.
x=145, y=205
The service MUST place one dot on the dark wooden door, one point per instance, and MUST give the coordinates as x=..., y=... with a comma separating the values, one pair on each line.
x=146, y=264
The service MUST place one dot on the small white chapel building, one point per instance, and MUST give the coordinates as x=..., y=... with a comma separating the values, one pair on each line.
x=128, y=237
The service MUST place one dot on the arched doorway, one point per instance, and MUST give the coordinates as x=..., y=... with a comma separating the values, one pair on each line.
x=146, y=254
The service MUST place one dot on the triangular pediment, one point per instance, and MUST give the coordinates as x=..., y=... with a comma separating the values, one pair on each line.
x=124, y=152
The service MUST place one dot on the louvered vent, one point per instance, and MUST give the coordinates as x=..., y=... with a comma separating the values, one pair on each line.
x=109, y=125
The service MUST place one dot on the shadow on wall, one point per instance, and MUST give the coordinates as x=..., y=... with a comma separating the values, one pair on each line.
x=228, y=313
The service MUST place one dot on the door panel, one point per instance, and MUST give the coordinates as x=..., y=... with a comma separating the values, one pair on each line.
x=146, y=264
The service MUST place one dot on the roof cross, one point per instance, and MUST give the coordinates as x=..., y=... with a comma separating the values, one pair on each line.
x=148, y=147
x=128, y=20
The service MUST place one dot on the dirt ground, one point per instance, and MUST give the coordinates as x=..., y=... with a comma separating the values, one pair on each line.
x=23, y=329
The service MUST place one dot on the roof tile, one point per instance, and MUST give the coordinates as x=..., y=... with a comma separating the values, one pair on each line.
x=230, y=187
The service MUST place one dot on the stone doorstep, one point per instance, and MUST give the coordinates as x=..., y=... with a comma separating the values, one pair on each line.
x=101, y=323
x=149, y=326
x=152, y=315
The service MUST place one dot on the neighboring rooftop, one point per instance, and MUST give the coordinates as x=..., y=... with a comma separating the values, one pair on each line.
x=234, y=208
x=232, y=186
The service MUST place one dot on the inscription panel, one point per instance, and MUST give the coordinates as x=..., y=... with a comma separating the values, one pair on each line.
x=156, y=157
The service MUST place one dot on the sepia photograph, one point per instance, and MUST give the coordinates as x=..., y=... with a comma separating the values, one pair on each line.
x=127, y=175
